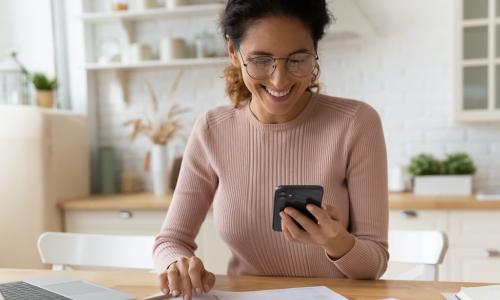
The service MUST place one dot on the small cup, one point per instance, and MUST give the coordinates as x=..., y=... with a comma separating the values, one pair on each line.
x=172, y=48
x=139, y=52
x=119, y=5
x=176, y=3
x=144, y=4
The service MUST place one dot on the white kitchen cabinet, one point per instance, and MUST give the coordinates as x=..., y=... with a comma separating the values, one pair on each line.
x=211, y=249
x=473, y=237
x=418, y=220
x=475, y=263
x=474, y=228
x=113, y=222
x=475, y=246
x=477, y=96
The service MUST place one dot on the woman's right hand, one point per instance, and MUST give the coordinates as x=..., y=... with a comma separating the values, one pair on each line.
x=187, y=276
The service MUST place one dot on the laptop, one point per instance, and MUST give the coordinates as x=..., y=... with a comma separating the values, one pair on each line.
x=59, y=288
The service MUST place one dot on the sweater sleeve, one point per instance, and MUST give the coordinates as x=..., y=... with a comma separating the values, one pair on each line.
x=192, y=198
x=366, y=178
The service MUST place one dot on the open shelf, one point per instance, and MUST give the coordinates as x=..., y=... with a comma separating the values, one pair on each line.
x=185, y=62
x=153, y=13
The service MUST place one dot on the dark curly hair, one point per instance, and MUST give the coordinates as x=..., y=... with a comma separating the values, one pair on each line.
x=240, y=14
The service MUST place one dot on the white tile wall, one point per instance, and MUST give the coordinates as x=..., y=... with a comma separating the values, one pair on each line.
x=406, y=73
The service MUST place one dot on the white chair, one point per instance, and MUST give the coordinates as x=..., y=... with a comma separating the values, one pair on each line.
x=424, y=248
x=63, y=250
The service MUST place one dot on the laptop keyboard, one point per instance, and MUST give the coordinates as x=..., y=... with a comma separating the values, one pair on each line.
x=24, y=291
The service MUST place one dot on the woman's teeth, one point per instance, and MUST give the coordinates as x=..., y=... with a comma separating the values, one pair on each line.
x=278, y=94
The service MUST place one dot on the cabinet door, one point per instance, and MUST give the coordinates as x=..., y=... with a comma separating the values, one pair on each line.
x=478, y=50
x=114, y=222
x=474, y=228
x=418, y=220
x=211, y=248
x=475, y=264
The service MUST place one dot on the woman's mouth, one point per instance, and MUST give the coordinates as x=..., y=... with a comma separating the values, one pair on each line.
x=278, y=96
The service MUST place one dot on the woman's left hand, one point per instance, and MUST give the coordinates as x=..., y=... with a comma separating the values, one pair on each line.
x=328, y=233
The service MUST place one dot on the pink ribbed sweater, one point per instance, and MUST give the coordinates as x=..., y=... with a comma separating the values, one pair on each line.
x=233, y=162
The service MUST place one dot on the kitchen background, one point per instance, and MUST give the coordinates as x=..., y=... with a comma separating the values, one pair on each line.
x=405, y=69
x=398, y=56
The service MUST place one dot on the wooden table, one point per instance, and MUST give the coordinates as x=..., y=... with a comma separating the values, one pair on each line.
x=143, y=284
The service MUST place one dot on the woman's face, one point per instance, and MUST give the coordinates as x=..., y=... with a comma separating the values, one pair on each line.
x=280, y=96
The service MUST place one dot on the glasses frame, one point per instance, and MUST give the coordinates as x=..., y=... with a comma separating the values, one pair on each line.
x=275, y=64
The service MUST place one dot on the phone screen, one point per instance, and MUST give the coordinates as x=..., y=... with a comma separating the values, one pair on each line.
x=296, y=196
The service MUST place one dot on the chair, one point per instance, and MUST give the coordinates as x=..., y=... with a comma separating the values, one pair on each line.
x=425, y=248
x=64, y=250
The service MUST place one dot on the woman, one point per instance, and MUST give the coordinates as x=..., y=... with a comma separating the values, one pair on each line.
x=278, y=132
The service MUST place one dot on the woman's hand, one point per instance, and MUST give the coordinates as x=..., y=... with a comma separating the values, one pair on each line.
x=328, y=233
x=186, y=276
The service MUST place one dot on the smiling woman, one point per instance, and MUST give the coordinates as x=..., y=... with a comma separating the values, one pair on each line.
x=279, y=131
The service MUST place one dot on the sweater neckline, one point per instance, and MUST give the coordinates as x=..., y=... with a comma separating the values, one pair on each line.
x=282, y=126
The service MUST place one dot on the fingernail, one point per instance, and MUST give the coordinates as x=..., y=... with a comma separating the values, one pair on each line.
x=207, y=288
x=309, y=207
x=282, y=214
x=175, y=293
x=198, y=291
x=164, y=291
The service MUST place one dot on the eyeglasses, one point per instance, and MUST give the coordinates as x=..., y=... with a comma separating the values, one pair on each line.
x=298, y=64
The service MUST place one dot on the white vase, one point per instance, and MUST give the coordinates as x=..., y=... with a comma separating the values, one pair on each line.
x=443, y=185
x=160, y=171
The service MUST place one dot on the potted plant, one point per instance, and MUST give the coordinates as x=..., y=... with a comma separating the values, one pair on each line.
x=44, y=89
x=161, y=130
x=450, y=177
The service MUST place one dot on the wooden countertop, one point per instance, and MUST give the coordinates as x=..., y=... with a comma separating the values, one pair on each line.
x=142, y=284
x=399, y=201
x=143, y=201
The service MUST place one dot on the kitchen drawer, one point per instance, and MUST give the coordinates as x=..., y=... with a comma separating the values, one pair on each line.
x=114, y=222
x=418, y=220
x=474, y=228
x=211, y=249
x=475, y=264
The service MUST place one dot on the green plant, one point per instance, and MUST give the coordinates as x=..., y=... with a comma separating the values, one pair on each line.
x=454, y=164
x=424, y=164
x=459, y=164
x=42, y=83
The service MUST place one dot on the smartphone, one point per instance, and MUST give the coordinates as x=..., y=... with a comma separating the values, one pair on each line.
x=296, y=196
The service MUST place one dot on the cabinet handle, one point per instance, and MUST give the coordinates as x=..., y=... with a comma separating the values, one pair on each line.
x=125, y=214
x=410, y=213
x=491, y=253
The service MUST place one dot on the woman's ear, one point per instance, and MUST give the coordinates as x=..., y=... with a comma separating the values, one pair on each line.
x=232, y=52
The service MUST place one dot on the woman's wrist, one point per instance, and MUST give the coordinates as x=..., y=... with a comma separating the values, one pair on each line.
x=340, y=245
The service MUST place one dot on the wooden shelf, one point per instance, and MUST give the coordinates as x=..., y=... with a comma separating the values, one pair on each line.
x=153, y=13
x=186, y=62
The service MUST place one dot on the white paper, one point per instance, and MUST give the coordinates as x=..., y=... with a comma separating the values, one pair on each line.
x=449, y=296
x=316, y=293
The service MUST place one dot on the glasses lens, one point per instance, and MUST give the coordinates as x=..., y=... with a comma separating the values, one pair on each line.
x=260, y=67
x=301, y=64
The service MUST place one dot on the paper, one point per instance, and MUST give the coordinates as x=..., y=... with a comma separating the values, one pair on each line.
x=449, y=296
x=316, y=293
x=487, y=292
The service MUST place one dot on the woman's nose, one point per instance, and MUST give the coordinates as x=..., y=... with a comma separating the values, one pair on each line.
x=279, y=78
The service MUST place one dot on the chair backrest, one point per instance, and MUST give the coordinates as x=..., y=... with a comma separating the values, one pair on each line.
x=425, y=248
x=96, y=250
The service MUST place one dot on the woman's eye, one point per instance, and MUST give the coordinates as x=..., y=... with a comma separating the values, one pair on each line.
x=262, y=61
